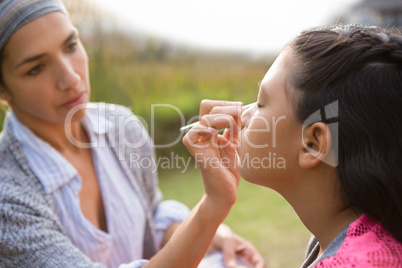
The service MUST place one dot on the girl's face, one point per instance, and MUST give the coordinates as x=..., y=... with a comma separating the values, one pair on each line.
x=45, y=71
x=269, y=142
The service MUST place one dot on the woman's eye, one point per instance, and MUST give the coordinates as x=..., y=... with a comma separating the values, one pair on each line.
x=35, y=70
x=258, y=105
x=72, y=47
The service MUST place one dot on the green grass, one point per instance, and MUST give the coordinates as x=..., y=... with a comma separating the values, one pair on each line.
x=260, y=215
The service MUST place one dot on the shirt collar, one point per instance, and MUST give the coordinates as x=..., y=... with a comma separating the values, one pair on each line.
x=52, y=169
x=95, y=122
x=96, y=125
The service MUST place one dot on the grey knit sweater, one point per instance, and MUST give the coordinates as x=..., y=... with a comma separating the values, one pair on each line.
x=30, y=232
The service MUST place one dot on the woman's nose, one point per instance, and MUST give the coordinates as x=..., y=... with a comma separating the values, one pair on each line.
x=67, y=75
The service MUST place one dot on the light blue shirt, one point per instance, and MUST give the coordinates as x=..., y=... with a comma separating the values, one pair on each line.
x=122, y=243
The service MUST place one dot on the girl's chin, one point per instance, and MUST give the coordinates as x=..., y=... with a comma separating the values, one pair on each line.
x=244, y=174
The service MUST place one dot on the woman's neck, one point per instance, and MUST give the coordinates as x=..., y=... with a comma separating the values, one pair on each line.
x=62, y=137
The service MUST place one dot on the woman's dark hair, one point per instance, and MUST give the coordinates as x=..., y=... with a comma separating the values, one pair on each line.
x=1, y=63
x=3, y=103
x=361, y=68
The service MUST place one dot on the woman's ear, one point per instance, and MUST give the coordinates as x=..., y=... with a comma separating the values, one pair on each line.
x=316, y=145
x=4, y=94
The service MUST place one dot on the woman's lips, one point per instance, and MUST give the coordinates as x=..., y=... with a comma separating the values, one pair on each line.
x=79, y=99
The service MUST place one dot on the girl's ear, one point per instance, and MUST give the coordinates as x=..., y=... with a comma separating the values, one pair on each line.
x=316, y=146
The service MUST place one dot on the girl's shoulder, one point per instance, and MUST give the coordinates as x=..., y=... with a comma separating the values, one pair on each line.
x=366, y=244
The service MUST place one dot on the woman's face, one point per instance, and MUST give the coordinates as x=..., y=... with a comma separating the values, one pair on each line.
x=45, y=70
x=270, y=140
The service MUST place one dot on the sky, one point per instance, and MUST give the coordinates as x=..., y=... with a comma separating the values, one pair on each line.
x=253, y=26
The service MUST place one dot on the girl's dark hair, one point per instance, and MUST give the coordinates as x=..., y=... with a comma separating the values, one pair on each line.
x=361, y=68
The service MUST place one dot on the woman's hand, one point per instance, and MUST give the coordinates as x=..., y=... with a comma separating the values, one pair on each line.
x=215, y=153
x=233, y=245
x=217, y=158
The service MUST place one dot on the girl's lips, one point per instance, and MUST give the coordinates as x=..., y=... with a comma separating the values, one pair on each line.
x=75, y=101
x=240, y=138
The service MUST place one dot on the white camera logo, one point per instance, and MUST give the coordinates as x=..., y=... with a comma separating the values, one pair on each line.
x=329, y=116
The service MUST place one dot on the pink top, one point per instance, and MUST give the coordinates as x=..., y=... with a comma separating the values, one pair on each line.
x=366, y=244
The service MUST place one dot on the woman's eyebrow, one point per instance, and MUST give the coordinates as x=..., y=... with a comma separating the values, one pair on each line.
x=70, y=37
x=29, y=59
x=36, y=57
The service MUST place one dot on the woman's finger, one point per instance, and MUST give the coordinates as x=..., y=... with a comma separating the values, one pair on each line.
x=207, y=105
x=249, y=253
x=196, y=137
x=219, y=121
x=231, y=110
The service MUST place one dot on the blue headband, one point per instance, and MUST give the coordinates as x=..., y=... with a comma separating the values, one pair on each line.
x=15, y=13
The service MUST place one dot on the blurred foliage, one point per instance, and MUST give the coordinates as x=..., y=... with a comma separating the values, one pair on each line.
x=139, y=71
x=182, y=83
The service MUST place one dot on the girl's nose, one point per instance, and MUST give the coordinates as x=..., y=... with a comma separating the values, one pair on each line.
x=67, y=75
x=247, y=114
